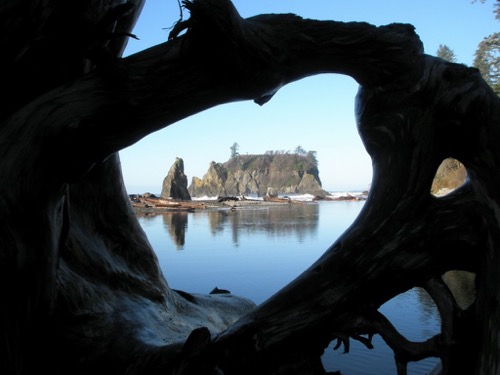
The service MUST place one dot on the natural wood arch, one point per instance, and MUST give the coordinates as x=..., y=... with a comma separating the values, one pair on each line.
x=82, y=288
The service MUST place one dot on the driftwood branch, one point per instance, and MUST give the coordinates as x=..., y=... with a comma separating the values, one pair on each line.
x=405, y=350
x=231, y=58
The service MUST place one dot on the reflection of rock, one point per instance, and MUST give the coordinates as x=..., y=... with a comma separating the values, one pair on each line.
x=175, y=183
x=176, y=225
x=299, y=220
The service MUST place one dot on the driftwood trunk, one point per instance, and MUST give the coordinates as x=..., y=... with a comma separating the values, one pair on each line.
x=82, y=289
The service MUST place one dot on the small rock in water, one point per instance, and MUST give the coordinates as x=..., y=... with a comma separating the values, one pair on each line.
x=219, y=291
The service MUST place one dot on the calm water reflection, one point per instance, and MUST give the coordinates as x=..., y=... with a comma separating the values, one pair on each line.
x=298, y=221
x=255, y=252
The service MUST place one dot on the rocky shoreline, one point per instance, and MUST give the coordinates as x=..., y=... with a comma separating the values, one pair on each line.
x=149, y=203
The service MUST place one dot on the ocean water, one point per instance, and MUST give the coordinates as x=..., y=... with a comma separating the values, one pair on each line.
x=255, y=252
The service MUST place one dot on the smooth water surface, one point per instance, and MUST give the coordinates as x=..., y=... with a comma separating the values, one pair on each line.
x=251, y=252
x=255, y=252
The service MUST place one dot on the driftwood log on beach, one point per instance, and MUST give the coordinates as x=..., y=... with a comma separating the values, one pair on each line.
x=81, y=288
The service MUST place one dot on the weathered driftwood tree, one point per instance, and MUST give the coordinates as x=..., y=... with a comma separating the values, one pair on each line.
x=81, y=288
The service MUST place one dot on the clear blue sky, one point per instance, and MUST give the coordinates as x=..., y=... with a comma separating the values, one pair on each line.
x=315, y=113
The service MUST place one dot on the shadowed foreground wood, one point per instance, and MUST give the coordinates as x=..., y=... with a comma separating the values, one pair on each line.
x=82, y=289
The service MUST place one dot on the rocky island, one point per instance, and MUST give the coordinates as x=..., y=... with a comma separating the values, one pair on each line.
x=266, y=178
x=271, y=173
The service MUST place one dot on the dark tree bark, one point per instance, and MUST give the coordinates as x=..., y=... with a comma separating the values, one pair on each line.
x=82, y=289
